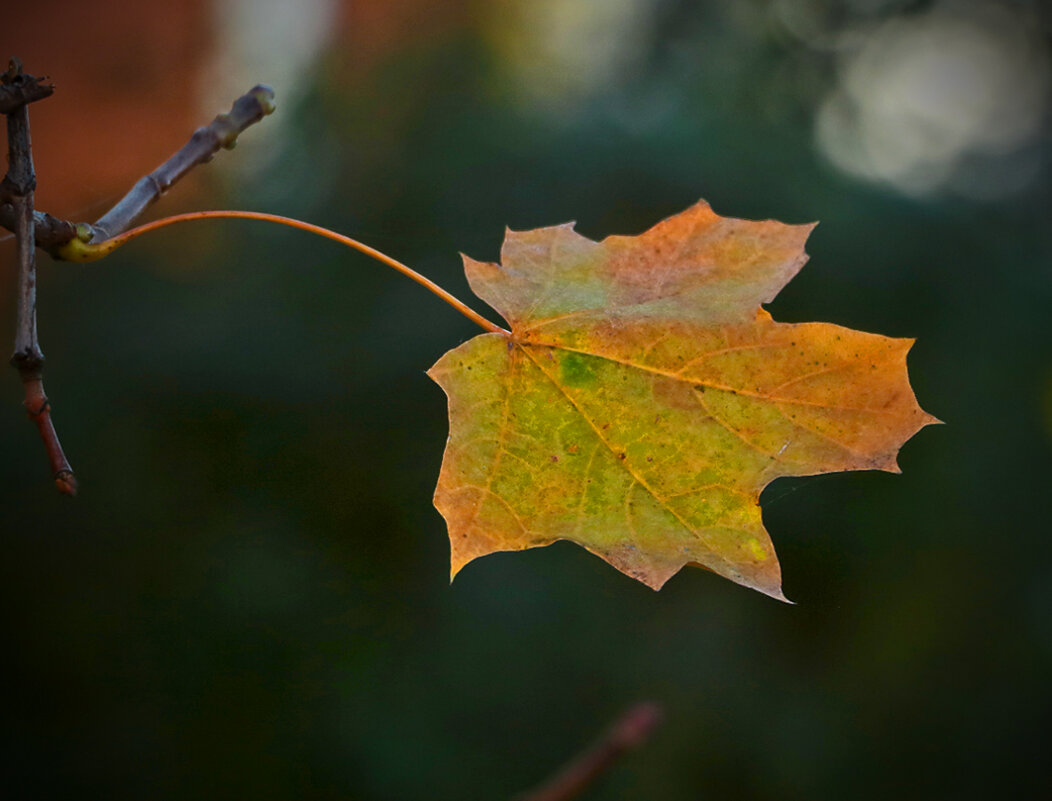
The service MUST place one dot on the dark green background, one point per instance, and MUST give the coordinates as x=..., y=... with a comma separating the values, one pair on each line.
x=250, y=597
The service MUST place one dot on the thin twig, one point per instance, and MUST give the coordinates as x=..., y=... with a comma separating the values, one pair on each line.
x=19, y=185
x=250, y=108
x=630, y=731
x=52, y=233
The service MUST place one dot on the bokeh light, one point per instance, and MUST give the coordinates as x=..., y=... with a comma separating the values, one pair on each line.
x=950, y=99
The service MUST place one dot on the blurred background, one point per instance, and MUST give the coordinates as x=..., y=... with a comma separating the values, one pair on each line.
x=250, y=597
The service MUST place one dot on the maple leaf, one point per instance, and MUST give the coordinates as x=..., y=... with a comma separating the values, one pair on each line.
x=643, y=399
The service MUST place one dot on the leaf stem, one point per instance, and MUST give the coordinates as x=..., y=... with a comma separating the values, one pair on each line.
x=78, y=250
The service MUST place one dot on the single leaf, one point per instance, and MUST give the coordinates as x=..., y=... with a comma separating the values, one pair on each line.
x=643, y=399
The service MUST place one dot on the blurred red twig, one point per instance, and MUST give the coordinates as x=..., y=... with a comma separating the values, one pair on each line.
x=628, y=732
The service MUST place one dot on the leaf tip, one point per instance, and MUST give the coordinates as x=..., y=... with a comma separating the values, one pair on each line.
x=655, y=582
x=772, y=590
x=455, y=566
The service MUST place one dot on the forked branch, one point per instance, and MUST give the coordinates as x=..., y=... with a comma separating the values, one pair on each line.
x=52, y=233
x=33, y=228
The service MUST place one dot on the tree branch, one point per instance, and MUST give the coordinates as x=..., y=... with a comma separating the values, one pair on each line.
x=19, y=185
x=630, y=731
x=52, y=234
x=250, y=108
x=34, y=229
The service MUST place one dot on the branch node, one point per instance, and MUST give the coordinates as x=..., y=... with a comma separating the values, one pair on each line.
x=29, y=362
x=18, y=88
x=264, y=97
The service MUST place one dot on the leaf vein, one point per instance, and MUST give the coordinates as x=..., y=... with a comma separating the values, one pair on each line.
x=713, y=553
x=709, y=384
